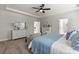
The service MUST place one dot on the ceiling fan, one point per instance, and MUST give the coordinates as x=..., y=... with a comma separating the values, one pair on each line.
x=41, y=8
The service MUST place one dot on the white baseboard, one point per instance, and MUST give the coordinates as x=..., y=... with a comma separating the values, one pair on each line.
x=4, y=39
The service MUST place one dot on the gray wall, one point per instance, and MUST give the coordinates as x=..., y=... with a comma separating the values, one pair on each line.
x=7, y=18
x=73, y=23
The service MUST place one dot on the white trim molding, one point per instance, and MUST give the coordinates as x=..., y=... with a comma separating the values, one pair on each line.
x=4, y=40
x=21, y=12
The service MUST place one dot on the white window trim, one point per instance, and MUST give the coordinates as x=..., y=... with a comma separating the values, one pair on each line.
x=36, y=27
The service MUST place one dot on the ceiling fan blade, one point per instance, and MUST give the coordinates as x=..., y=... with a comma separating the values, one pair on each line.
x=42, y=5
x=46, y=9
x=35, y=8
x=43, y=11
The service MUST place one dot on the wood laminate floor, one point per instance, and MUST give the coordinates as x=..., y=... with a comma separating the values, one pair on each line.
x=13, y=47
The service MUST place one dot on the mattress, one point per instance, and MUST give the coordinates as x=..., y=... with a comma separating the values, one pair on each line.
x=62, y=46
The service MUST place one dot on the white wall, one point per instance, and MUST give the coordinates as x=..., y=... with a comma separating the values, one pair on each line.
x=73, y=17
x=7, y=18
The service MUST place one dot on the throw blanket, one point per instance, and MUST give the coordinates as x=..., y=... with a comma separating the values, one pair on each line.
x=42, y=44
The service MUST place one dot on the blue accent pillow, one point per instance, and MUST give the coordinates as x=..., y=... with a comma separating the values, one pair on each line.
x=75, y=41
x=68, y=35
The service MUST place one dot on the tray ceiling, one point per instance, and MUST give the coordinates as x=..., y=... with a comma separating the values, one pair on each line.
x=55, y=8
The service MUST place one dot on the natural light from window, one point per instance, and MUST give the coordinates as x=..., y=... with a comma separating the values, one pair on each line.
x=36, y=27
x=63, y=26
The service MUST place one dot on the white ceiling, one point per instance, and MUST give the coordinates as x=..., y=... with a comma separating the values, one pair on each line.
x=55, y=8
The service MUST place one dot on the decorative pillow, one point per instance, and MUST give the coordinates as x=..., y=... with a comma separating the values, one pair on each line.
x=68, y=35
x=72, y=34
x=75, y=41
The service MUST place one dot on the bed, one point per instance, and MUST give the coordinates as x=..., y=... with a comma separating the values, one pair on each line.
x=62, y=46
x=51, y=44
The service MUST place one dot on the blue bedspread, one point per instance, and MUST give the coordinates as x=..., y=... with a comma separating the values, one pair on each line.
x=42, y=44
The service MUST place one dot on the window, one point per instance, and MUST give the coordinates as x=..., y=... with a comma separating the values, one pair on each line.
x=63, y=26
x=36, y=27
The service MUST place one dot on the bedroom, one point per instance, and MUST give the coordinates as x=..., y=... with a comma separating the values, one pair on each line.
x=37, y=23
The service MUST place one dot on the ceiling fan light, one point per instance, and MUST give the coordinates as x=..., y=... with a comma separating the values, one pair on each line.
x=41, y=10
